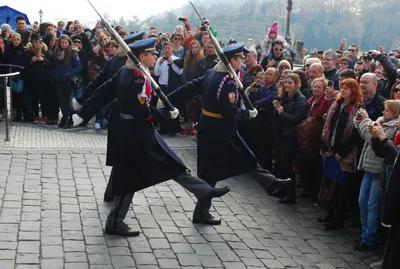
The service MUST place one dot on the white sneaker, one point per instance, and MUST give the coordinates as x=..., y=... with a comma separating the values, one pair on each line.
x=97, y=126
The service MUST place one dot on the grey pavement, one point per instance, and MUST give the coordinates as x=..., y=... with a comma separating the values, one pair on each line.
x=52, y=215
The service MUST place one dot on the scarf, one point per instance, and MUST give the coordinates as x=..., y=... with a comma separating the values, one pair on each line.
x=60, y=56
x=348, y=162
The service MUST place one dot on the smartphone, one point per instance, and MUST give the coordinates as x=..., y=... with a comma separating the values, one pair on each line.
x=203, y=29
x=182, y=19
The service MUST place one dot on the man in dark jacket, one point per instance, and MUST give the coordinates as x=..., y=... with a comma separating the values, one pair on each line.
x=143, y=159
x=221, y=152
x=110, y=68
x=208, y=61
x=373, y=102
x=391, y=70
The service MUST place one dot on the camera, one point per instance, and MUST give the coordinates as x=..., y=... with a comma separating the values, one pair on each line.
x=367, y=57
x=165, y=57
x=371, y=125
x=256, y=85
x=76, y=27
x=330, y=83
x=203, y=29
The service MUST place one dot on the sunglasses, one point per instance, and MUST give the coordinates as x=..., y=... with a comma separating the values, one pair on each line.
x=396, y=90
x=276, y=49
x=77, y=41
x=352, y=50
x=178, y=38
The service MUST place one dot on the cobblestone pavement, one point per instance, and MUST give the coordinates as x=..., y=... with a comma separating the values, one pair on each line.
x=52, y=217
x=31, y=136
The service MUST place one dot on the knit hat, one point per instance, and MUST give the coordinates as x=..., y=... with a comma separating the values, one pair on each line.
x=5, y=27
x=35, y=37
x=273, y=29
x=76, y=37
x=47, y=38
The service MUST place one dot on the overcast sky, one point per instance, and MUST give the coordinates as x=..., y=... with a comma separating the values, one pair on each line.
x=54, y=10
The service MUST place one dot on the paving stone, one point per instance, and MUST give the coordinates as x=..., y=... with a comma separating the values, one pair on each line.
x=144, y=258
x=168, y=263
x=188, y=259
x=52, y=263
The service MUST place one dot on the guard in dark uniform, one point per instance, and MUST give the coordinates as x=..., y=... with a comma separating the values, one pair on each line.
x=142, y=158
x=221, y=152
x=90, y=108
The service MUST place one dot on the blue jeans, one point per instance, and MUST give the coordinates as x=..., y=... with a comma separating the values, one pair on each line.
x=370, y=207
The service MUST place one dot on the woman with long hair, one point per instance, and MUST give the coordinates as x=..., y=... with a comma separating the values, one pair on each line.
x=190, y=66
x=13, y=55
x=291, y=108
x=66, y=64
x=339, y=150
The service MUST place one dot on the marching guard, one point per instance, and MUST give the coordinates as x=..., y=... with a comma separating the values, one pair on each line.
x=142, y=158
x=221, y=152
x=87, y=109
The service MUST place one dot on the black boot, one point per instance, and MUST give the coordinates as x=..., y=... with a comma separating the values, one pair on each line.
x=326, y=218
x=202, y=215
x=335, y=224
x=62, y=123
x=217, y=192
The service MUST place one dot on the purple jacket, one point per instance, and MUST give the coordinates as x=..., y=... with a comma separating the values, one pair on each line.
x=264, y=96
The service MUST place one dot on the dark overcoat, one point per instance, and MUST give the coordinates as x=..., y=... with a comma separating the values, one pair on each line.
x=221, y=152
x=102, y=98
x=142, y=158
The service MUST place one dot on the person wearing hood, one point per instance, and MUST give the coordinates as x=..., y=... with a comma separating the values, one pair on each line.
x=36, y=77
x=50, y=41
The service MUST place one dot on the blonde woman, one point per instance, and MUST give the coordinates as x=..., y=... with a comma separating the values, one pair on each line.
x=13, y=55
x=291, y=108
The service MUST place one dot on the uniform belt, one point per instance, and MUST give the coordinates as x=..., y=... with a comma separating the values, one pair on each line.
x=126, y=116
x=212, y=114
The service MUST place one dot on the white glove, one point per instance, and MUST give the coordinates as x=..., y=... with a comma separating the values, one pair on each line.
x=174, y=113
x=75, y=105
x=76, y=119
x=253, y=113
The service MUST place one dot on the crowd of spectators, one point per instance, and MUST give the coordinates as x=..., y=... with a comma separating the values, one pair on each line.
x=332, y=124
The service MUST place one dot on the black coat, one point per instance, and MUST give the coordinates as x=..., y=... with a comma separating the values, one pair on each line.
x=35, y=71
x=221, y=152
x=102, y=98
x=295, y=109
x=391, y=204
x=375, y=107
x=142, y=158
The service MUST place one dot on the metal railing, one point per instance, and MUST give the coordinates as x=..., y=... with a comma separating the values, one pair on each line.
x=6, y=94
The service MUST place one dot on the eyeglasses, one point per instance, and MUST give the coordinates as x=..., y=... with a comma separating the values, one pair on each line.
x=77, y=41
x=352, y=50
x=276, y=49
x=178, y=38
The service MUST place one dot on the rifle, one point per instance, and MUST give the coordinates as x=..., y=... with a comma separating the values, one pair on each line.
x=135, y=60
x=225, y=61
